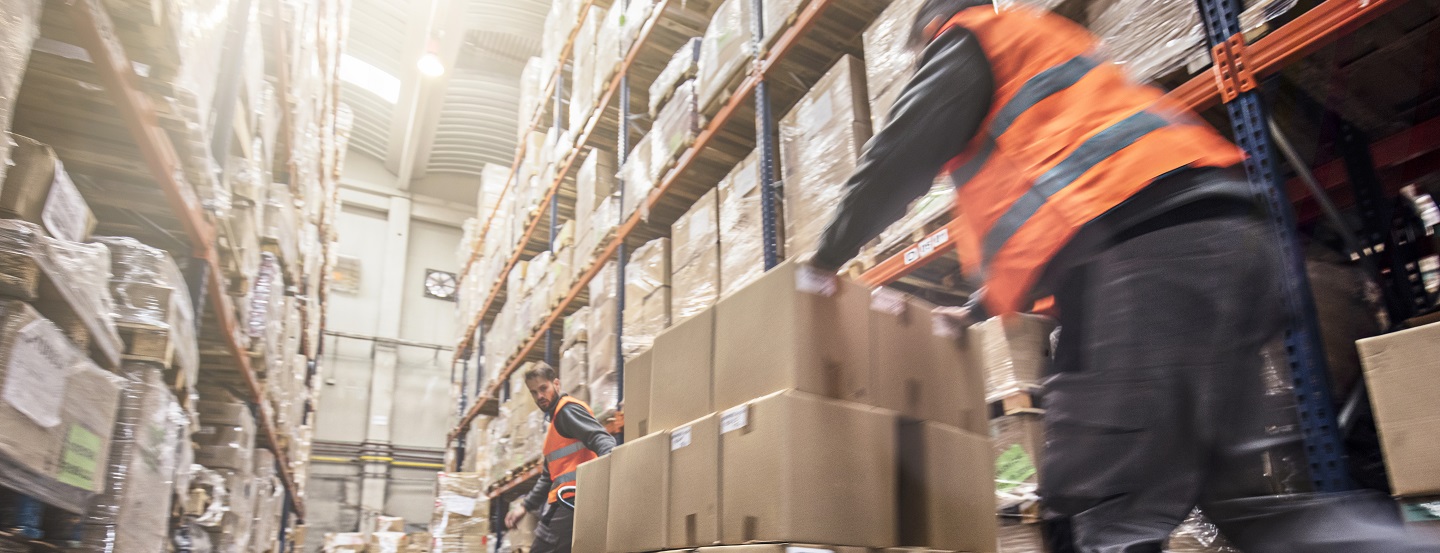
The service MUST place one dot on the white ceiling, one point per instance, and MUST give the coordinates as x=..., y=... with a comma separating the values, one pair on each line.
x=442, y=131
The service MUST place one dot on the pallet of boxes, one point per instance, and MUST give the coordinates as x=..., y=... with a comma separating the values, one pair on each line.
x=777, y=417
x=1400, y=374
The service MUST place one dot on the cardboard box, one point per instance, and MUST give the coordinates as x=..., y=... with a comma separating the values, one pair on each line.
x=889, y=61
x=796, y=467
x=639, y=492
x=725, y=49
x=779, y=333
x=784, y=548
x=1014, y=351
x=694, y=516
x=1400, y=371
x=820, y=142
x=917, y=373
x=592, y=505
x=695, y=239
x=38, y=190
x=647, y=296
x=742, y=246
x=681, y=386
x=58, y=412
x=947, y=497
x=639, y=373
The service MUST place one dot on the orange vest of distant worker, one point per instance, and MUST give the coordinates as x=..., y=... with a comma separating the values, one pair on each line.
x=1068, y=137
x=564, y=455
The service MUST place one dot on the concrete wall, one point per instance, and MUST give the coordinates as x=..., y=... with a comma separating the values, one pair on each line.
x=379, y=393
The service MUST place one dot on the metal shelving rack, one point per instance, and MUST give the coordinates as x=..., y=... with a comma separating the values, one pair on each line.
x=694, y=172
x=115, y=70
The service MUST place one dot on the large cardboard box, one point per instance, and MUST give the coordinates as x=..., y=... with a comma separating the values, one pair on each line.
x=781, y=332
x=57, y=409
x=947, y=497
x=742, y=251
x=918, y=373
x=638, y=374
x=1400, y=371
x=820, y=143
x=647, y=296
x=592, y=505
x=795, y=467
x=639, y=492
x=38, y=190
x=680, y=382
x=694, y=517
x=695, y=242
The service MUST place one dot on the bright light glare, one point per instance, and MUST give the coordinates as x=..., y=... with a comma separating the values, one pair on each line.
x=431, y=66
x=360, y=73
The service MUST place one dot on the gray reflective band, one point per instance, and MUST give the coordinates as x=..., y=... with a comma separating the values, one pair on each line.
x=564, y=451
x=964, y=173
x=1043, y=85
x=563, y=479
x=1093, y=151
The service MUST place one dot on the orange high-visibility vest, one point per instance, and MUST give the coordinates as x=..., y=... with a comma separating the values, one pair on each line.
x=564, y=455
x=1068, y=138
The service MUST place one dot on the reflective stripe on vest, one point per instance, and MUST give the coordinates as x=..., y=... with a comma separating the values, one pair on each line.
x=1068, y=138
x=564, y=455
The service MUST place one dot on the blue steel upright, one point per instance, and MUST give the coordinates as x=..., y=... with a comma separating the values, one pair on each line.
x=764, y=131
x=1324, y=448
x=622, y=149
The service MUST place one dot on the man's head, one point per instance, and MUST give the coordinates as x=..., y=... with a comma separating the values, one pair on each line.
x=544, y=385
x=932, y=17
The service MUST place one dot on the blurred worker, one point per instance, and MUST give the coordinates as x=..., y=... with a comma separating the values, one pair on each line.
x=1075, y=182
x=574, y=437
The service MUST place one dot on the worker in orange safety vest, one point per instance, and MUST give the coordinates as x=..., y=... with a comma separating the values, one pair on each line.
x=1075, y=182
x=573, y=436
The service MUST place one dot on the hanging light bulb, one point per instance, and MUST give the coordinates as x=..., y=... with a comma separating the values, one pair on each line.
x=430, y=64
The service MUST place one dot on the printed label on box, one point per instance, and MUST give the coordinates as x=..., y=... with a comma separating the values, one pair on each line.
x=885, y=300
x=65, y=214
x=814, y=281
x=458, y=504
x=81, y=458
x=680, y=437
x=39, y=365
x=735, y=418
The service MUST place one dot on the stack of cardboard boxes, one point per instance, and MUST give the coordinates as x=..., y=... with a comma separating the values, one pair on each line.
x=766, y=422
x=461, y=519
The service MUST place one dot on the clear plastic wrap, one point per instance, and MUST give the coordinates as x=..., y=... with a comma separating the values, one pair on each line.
x=141, y=282
x=132, y=513
x=636, y=13
x=820, y=142
x=1198, y=535
x=727, y=47
x=80, y=274
x=778, y=14
x=37, y=189
x=281, y=222
x=594, y=182
x=575, y=367
x=607, y=49
x=1152, y=38
x=20, y=247
x=191, y=538
x=603, y=223
x=601, y=349
x=56, y=405
x=635, y=177
x=577, y=328
x=237, y=525
x=226, y=436
x=889, y=61
x=19, y=27
x=582, y=70
x=205, y=503
x=532, y=84
x=742, y=253
x=605, y=396
x=682, y=67
x=674, y=130
x=696, y=243
x=647, y=296
x=1014, y=351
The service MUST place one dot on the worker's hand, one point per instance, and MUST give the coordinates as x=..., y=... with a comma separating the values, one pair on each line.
x=813, y=278
x=952, y=321
x=516, y=514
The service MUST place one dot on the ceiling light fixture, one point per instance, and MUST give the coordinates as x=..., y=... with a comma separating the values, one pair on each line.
x=430, y=64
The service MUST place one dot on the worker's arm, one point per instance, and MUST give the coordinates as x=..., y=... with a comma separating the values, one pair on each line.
x=938, y=113
x=575, y=422
x=540, y=493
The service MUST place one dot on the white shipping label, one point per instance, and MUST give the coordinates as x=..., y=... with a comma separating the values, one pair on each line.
x=735, y=418
x=458, y=504
x=814, y=281
x=65, y=214
x=885, y=300
x=35, y=378
x=817, y=114
x=745, y=181
x=679, y=437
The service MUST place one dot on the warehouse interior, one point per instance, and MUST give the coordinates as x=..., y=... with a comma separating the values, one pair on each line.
x=284, y=276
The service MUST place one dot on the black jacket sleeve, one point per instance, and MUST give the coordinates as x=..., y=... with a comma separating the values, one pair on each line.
x=537, y=496
x=938, y=113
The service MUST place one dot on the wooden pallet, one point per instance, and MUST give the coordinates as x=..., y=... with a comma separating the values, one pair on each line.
x=1025, y=399
x=146, y=343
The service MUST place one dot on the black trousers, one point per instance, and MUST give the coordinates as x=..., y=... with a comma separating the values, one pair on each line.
x=556, y=528
x=1158, y=403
